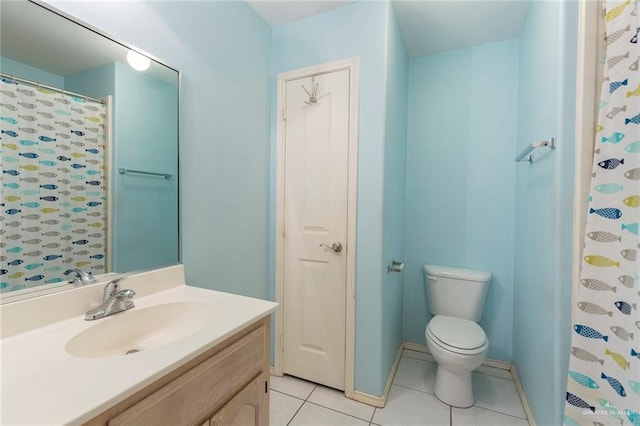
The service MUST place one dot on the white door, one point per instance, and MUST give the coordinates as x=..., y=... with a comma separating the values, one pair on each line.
x=315, y=217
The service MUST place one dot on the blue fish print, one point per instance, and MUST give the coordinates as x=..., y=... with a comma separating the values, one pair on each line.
x=611, y=163
x=12, y=211
x=93, y=172
x=25, y=142
x=634, y=417
x=31, y=204
x=93, y=182
x=635, y=119
x=633, y=351
x=615, y=384
x=33, y=266
x=614, y=138
x=63, y=158
x=29, y=154
x=54, y=280
x=19, y=261
x=14, y=250
x=97, y=256
x=81, y=242
x=3, y=271
x=46, y=139
x=608, y=212
x=624, y=307
x=11, y=185
x=579, y=402
x=34, y=278
x=631, y=227
x=9, y=120
x=93, y=203
x=78, y=209
x=633, y=147
x=616, y=84
x=47, y=163
x=10, y=133
x=77, y=132
x=78, y=166
x=49, y=186
x=11, y=172
x=584, y=380
x=52, y=257
x=49, y=198
x=92, y=150
x=589, y=332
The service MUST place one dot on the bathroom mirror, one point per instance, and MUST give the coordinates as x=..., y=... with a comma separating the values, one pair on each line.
x=89, y=153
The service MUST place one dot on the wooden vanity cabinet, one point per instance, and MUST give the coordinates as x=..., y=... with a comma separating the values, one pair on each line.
x=227, y=385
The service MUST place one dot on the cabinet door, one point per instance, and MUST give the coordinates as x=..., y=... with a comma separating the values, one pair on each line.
x=250, y=407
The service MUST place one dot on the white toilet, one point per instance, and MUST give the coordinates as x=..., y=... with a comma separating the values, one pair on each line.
x=458, y=344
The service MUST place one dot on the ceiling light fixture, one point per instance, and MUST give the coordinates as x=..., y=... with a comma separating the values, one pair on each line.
x=137, y=61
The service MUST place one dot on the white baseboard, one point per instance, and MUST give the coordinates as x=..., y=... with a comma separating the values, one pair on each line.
x=380, y=401
x=523, y=398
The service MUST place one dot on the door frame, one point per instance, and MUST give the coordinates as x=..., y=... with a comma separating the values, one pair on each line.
x=353, y=65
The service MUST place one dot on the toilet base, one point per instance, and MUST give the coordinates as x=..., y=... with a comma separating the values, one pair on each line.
x=454, y=388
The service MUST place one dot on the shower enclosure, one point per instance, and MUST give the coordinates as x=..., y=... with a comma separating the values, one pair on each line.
x=54, y=205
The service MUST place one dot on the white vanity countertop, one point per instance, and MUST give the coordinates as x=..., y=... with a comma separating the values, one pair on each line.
x=41, y=384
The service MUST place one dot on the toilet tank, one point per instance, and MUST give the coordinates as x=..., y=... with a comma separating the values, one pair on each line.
x=456, y=292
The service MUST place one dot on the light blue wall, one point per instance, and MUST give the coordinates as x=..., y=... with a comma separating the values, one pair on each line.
x=543, y=244
x=462, y=128
x=395, y=156
x=146, y=138
x=18, y=69
x=223, y=51
x=358, y=30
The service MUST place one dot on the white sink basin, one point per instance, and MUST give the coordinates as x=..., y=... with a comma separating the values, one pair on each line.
x=138, y=330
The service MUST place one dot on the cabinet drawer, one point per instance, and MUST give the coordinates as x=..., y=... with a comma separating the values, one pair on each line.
x=190, y=398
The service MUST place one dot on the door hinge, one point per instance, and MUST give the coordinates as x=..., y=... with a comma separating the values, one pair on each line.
x=283, y=231
x=284, y=114
x=266, y=386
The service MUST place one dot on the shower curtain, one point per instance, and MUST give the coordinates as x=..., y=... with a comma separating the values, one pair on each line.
x=603, y=385
x=53, y=189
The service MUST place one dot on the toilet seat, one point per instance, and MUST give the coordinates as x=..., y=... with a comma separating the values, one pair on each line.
x=457, y=335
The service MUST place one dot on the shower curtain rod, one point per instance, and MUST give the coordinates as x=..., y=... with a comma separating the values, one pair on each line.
x=55, y=89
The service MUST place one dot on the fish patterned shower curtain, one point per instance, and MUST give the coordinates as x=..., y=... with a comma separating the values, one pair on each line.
x=603, y=386
x=53, y=190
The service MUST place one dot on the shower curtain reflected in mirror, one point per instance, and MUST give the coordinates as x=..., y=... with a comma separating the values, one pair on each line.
x=603, y=386
x=53, y=216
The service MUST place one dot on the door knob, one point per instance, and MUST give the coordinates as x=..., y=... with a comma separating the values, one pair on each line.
x=336, y=247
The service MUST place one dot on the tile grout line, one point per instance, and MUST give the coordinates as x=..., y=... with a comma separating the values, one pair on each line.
x=301, y=405
x=501, y=412
x=336, y=411
x=417, y=390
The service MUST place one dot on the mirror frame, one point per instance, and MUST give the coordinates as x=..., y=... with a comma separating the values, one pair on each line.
x=43, y=290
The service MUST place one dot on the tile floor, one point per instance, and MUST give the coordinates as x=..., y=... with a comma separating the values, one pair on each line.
x=411, y=400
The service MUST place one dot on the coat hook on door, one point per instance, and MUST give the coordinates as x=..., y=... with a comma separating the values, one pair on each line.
x=312, y=96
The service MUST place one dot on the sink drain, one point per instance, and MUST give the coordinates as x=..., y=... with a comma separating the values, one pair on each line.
x=132, y=351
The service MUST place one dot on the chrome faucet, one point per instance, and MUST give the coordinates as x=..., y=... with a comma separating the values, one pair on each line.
x=114, y=300
x=83, y=277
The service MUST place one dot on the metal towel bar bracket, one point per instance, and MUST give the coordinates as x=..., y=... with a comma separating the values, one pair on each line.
x=526, y=156
x=125, y=171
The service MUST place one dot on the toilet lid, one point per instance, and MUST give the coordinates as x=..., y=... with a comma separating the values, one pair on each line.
x=456, y=332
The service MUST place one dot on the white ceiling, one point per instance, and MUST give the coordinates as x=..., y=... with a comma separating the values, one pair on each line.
x=33, y=35
x=427, y=26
